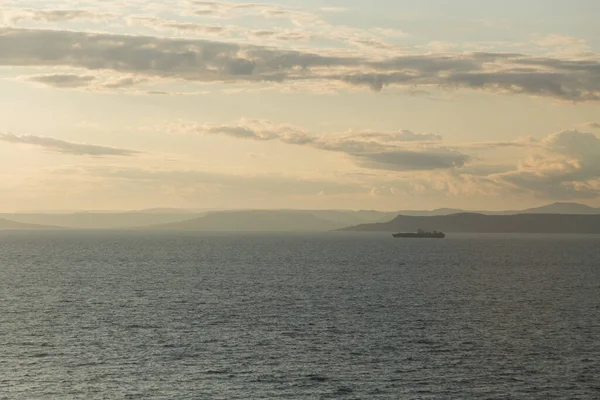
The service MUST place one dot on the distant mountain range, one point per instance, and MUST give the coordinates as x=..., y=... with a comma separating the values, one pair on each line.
x=95, y=220
x=555, y=208
x=562, y=208
x=252, y=220
x=267, y=221
x=481, y=223
x=7, y=224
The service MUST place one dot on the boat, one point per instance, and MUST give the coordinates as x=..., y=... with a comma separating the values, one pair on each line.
x=420, y=234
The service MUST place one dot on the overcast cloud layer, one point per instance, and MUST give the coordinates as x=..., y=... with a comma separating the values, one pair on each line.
x=214, y=61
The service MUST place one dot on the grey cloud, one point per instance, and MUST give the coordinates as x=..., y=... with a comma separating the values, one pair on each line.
x=376, y=150
x=63, y=80
x=484, y=170
x=65, y=147
x=565, y=65
x=576, y=87
x=371, y=43
x=267, y=130
x=347, y=145
x=593, y=125
x=566, y=166
x=165, y=93
x=377, y=81
x=87, y=82
x=212, y=61
x=562, y=79
x=430, y=65
x=550, y=186
x=239, y=132
x=263, y=33
x=405, y=160
x=524, y=143
x=124, y=82
x=197, y=60
x=574, y=142
x=204, y=12
x=248, y=129
x=285, y=36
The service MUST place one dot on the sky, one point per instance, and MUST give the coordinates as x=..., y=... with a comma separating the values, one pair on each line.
x=319, y=104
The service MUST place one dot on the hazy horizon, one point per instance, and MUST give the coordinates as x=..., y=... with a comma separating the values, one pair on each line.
x=380, y=105
x=202, y=210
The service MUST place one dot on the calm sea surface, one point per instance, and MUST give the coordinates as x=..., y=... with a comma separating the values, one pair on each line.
x=300, y=316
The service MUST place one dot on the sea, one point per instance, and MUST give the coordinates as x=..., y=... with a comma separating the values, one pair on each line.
x=149, y=315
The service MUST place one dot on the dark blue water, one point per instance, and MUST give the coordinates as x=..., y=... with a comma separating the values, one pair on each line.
x=174, y=316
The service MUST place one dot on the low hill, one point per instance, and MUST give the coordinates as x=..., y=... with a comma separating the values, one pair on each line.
x=480, y=223
x=8, y=224
x=94, y=220
x=257, y=221
x=555, y=208
x=330, y=219
x=164, y=211
x=347, y=217
x=431, y=213
x=563, y=208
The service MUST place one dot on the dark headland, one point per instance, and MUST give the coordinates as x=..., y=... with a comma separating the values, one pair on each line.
x=481, y=223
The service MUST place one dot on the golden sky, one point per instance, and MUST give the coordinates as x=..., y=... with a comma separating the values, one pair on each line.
x=383, y=104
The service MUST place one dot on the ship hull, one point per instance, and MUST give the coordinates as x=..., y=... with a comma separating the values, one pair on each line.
x=419, y=235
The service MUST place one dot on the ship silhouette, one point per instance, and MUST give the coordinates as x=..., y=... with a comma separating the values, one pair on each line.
x=421, y=234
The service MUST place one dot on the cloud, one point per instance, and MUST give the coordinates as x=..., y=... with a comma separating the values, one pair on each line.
x=223, y=9
x=212, y=61
x=219, y=31
x=418, y=160
x=122, y=82
x=167, y=93
x=313, y=26
x=285, y=36
x=62, y=80
x=403, y=135
x=562, y=43
x=592, y=125
x=523, y=142
x=188, y=27
x=391, y=32
x=485, y=170
x=65, y=147
x=558, y=85
x=245, y=129
x=556, y=40
x=14, y=15
x=403, y=150
x=86, y=82
x=565, y=166
x=561, y=166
